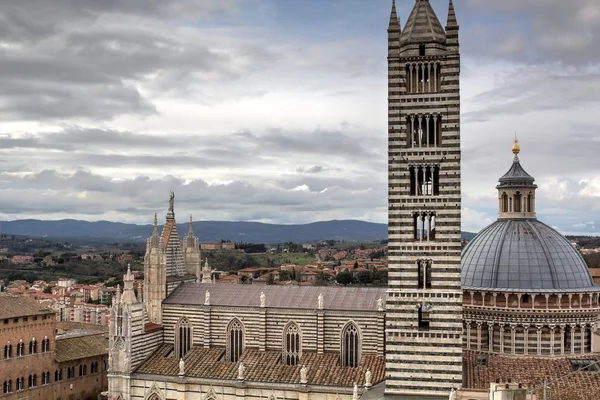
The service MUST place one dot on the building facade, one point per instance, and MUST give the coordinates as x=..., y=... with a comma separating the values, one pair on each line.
x=38, y=364
x=214, y=341
x=424, y=306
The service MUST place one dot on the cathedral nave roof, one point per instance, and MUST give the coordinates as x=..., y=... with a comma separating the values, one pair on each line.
x=276, y=296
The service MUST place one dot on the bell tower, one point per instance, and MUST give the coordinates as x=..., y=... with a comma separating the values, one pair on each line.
x=424, y=304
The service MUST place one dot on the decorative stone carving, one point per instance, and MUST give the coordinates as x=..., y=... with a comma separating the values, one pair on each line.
x=207, y=298
x=263, y=299
x=355, y=392
x=181, y=367
x=241, y=370
x=303, y=374
x=320, y=301
x=368, y=378
x=452, y=395
x=380, y=304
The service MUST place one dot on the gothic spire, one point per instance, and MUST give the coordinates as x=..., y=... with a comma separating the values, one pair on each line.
x=154, y=240
x=394, y=21
x=422, y=26
x=451, y=21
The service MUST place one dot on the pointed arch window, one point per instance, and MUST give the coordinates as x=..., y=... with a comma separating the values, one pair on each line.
x=33, y=346
x=8, y=350
x=292, y=343
x=45, y=344
x=20, y=349
x=350, y=346
x=7, y=388
x=21, y=383
x=184, y=337
x=235, y=340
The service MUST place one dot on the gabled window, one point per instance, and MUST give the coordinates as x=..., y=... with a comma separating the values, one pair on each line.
x=235, y=340
x=291, y=344
x=350, y=345
x=184, y=337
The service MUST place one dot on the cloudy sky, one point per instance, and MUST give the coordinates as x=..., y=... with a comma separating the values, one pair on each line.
x=276, y=110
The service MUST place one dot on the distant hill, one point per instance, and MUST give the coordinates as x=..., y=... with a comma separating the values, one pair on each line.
x=255, y=232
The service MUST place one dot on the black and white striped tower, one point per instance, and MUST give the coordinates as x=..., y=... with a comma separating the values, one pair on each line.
x=424, y=305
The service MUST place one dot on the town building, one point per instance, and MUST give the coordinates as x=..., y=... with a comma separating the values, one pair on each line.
x=37, y=363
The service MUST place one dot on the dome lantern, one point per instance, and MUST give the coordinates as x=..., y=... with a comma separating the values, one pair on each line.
x=516, y=191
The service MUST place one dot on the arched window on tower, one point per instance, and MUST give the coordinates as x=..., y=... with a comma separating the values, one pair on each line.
x=8, y=350
x=350, y=345
x=7, y=388
x=504, y=202
x=518, y=201
x=421, y=50
x=20, y=349
x=184, y=337
x=33, y=346
x=529, y=202
x=424, y=274
x=235, y=340
x=423, y=317
x=292, y=344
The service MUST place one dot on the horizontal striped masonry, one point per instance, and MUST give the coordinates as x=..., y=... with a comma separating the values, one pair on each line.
x=423, y=319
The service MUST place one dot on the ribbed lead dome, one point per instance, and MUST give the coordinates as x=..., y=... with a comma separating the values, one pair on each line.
x=523, y=255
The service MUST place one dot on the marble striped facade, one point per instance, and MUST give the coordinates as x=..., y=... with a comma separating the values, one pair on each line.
x=423, y=362
x=263, y=327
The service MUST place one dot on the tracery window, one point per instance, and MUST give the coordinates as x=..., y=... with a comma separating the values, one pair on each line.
x=292, y=344
x=8, y=350
x=235, y=340
x=184, y=337
x=350, y=346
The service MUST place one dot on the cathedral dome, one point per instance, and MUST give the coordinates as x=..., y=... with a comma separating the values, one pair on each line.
x=518, y=252
x=523, y=254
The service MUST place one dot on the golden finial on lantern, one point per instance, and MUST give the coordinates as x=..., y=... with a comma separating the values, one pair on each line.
x=516, y=148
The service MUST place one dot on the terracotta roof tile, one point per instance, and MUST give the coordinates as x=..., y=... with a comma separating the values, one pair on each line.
x=78, y=347
x=20, y=306
x=264, y=366
x=531, y=371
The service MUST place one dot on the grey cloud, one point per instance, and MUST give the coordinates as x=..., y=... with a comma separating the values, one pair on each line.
x=85, y=58
x=540, y=31
x=93, y=195
x=535, y=89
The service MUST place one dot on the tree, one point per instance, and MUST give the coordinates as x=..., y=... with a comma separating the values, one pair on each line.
x=284, y=276
x=270, y=279
x=365, y=277
x=345, y=277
